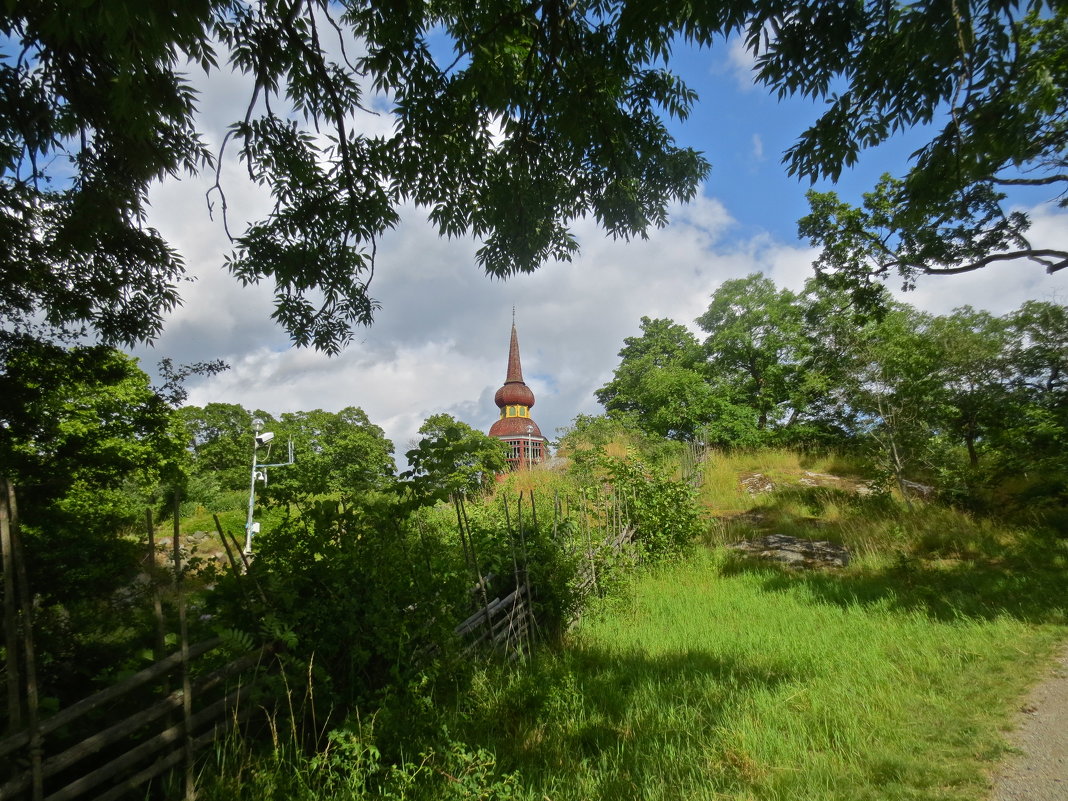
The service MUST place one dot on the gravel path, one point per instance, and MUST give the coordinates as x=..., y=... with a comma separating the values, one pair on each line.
x=1040, y=771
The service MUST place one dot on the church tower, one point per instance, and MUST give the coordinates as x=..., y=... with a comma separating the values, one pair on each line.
x=516, y=426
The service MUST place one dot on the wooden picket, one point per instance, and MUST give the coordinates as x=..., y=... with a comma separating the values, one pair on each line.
x=164, y=733
x=41, y=764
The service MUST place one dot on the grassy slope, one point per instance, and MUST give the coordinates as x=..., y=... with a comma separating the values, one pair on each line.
x=721, y=679
x=753, y=684
x=716, y=678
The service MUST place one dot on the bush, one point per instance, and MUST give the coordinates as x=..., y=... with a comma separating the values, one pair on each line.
x=361, y=597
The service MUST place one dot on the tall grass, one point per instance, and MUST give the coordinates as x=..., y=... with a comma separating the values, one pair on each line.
x=713, y=683
x=721, y=488
x=716, y=678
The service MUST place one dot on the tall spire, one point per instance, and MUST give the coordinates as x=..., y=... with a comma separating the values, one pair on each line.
x=515, y=425
x=515, y=390
x=515, y=368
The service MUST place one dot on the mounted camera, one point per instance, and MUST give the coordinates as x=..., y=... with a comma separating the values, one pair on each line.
x=264, y=438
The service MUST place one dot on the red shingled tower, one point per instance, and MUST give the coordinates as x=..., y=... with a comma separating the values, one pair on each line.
x=516, y=426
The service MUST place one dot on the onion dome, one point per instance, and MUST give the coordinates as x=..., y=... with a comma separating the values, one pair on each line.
x=514, y=392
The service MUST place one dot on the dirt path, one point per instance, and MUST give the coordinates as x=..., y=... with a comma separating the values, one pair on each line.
x=1040, y=771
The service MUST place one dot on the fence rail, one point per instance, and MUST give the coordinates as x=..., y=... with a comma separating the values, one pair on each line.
x=42, y=763
x=166, y=731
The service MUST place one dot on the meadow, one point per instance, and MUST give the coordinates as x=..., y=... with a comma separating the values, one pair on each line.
x=711, y=676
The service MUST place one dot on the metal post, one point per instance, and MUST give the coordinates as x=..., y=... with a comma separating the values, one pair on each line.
x=257, y=426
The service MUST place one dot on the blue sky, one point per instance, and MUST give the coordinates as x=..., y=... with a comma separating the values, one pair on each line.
x=440, y=341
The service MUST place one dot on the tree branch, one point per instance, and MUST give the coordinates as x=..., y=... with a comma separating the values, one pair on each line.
x=1049, y=179
x=1052, y=260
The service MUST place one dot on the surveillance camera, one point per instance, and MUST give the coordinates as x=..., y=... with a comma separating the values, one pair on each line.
x=264, y=438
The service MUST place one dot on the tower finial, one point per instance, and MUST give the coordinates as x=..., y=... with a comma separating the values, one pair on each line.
x=513, y=315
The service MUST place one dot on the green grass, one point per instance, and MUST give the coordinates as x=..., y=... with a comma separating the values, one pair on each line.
x=720, y=678
x=715, y=682
x=722, y=492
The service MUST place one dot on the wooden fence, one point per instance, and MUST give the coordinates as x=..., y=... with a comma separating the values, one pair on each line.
x=506, y=624
x=62, y=775
x=170, y=726
x=39, y=760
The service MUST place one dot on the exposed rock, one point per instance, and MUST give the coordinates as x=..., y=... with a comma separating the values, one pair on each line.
x=757, y=483
x=919, y=490
x=794, y=551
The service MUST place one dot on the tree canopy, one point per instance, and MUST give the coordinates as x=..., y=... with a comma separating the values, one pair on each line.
x=451, y=457
x=541, y=114
x=993, y=75
x=510, y=120
x=965, y=400
x=86, y=439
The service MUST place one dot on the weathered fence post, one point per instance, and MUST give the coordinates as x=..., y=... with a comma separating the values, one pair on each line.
x=157, y=598
x=23, y=585
x=462, y=520
x=11, y=643
x=183, y=634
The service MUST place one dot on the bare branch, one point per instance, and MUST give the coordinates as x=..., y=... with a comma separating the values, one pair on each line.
x=1052, y=260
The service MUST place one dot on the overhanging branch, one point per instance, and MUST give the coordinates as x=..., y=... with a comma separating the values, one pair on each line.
x=1052, y=260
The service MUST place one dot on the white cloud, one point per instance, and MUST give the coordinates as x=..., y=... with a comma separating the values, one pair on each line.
x=758, y=147
x=440, y=341
x=741, y=64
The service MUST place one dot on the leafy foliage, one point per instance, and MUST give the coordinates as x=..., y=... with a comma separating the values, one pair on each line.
x=759, y=370
x=337, y=454
x=998, y=83
x=969, y=401
x=452, y=458
x=660, y=381
x=664, y=512
x=509, y=122
x=358, y=592
x=219, y=436
x=85, y=440
x=546, y=114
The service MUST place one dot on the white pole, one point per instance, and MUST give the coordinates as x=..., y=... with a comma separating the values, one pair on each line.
x=257, y=426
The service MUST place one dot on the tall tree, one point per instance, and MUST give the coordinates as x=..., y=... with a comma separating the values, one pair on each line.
x=452, y=457
x=1040, y=352
x=661, y=381
x=1032, y=443
x=219, y=436
x=994, y=75
x=341, y=454
x=542, y=113
x=756, y=344
x=84, y=438
x=974, y=368
x=896, y=389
